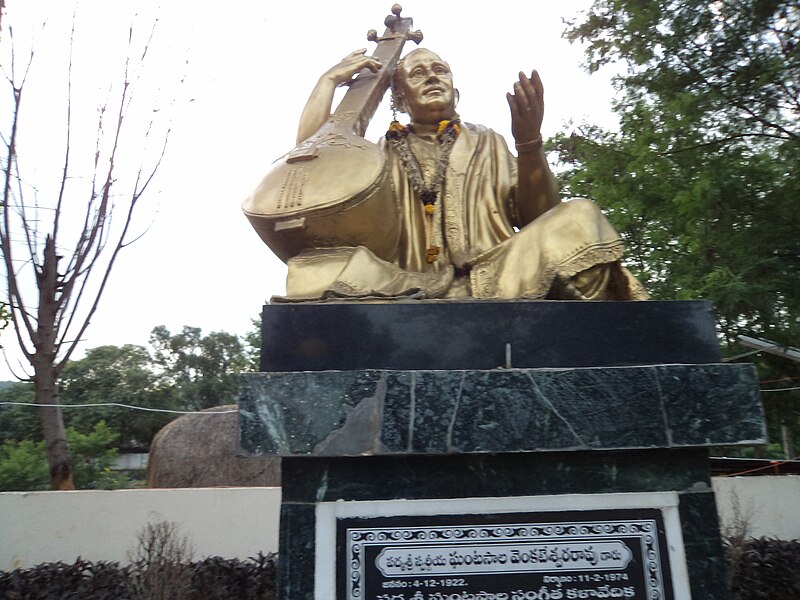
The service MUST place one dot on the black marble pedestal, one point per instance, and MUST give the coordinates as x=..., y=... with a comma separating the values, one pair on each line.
x=388, y=407
x=485, y=334
x=309, y=482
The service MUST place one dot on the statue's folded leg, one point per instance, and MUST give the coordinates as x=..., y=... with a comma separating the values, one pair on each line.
x=570, y=252
x=355, y=272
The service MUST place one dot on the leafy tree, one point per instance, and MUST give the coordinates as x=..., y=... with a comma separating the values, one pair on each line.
x=67, y=216
x=19, y=423
x=701, y=178
x=185, y=371
x=252, y=340
x=121, y=375
x=204, y=369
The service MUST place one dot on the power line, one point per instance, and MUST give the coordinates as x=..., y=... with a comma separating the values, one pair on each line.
x=773, y=464
x=118, y=405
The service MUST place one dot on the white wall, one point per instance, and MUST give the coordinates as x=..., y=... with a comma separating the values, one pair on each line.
x=40, y=527
x=769, y=505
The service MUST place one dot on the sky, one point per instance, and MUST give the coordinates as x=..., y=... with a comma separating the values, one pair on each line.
x=231, y=80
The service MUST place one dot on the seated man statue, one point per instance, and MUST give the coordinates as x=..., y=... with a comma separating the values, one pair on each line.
x=476, y=221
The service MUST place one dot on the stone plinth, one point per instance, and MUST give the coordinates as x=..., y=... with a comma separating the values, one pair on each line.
x=485, y=334
x=523, y=427
x=353, y=413
x=315, y=486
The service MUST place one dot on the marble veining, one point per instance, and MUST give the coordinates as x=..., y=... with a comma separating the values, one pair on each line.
x=352, y=413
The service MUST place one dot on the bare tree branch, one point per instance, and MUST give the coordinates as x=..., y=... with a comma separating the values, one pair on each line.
x=14, y=294
x=69, y=273
x=67, y=146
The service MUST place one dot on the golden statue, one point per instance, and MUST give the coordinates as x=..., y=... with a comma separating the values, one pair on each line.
x=440, y=208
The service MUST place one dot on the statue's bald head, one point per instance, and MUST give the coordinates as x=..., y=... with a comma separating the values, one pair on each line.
x=422, y=86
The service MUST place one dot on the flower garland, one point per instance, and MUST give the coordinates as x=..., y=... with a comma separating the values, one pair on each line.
x=446, y=136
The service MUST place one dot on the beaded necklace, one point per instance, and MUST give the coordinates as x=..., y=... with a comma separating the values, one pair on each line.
x=428, y=194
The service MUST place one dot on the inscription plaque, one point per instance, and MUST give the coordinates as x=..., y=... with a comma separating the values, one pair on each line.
x=508, y=556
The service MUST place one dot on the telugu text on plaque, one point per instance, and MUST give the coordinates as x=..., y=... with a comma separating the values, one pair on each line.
x=511, y=556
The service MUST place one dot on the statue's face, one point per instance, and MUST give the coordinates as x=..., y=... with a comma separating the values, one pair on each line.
x=427, y=88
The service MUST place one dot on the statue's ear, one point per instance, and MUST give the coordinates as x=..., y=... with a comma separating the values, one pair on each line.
x=456, y=97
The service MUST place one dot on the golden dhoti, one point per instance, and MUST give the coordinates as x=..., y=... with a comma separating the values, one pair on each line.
x=565, y=242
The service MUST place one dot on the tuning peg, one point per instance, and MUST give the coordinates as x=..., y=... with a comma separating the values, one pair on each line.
x=414, y=36
x=372, y=35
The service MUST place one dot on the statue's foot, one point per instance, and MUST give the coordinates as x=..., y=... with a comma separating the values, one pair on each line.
x=564, y=288
x=606, y=281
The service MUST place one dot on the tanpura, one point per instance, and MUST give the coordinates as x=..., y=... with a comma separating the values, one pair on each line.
x=312, y=197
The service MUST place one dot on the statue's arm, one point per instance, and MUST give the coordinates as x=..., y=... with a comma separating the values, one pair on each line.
x=318, y=108
x=537, y=191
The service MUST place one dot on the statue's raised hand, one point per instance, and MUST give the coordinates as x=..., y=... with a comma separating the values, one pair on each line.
x=350, y=65
x=318, y=107
x=527, y=108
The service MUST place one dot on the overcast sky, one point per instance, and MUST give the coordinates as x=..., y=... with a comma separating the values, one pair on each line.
x=250, y=68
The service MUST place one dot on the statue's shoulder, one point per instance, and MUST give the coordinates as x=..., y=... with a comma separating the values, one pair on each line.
x=476, y=129
x=481, y=131
x=483, y=137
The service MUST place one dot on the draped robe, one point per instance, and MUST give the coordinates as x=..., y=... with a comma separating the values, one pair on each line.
x=486, y=250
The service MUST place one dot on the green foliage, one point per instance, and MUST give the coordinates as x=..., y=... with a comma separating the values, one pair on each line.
x=764, y=568
x=700, y=178
x=57, y=581
x=211, y=578
x=19, y=422
x=704, y=70
x=123, y=375
x=204, y=369
x=23, y=465
x=185, y=371
x=252, y=348
x=93, y=454
x=216, y=578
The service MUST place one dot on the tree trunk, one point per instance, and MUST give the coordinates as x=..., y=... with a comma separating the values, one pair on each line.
x=55, y=436
x=45, y=374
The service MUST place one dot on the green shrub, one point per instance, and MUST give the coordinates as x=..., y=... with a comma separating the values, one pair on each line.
x=92, y=456
x=23, y=465
x=58, y=581
x=765, y=569
x=210, y=579
x=253, y=579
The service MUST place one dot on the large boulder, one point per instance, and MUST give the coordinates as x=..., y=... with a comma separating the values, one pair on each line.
x=202, y=450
